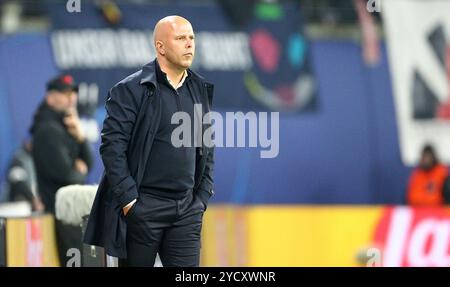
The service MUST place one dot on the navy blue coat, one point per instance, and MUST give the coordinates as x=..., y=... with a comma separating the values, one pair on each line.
x=133, y=114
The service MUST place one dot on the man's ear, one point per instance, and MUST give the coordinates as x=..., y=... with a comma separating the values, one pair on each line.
x=160, y=48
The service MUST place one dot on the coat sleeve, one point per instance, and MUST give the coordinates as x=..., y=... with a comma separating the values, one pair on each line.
x=206, y=186
x=205, y=189
x=48, y=143
x=85, y=154
x=121, y=113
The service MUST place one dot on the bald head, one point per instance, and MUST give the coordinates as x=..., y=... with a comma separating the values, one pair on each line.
x=166, y=25
x=173, y=38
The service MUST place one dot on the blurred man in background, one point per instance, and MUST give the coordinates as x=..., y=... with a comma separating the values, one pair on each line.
x=60, y=151
x=428, y=181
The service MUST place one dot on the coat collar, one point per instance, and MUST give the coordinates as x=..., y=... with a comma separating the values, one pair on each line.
x=149, y=74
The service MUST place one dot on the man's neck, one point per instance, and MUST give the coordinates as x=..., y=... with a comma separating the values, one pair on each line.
x=175, y=75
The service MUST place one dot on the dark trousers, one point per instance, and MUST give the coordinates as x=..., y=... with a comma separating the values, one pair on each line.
x=169, y=227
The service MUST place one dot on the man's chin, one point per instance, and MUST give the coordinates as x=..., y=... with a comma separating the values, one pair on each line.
x=186, y=64
x=182, y=64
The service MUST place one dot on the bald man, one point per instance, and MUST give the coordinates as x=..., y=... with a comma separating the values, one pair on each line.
x=153, y=193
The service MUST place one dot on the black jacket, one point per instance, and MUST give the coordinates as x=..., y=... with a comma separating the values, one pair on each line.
x=133, y=114
x=54, y=152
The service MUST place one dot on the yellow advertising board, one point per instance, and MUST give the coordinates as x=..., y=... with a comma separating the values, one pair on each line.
x=325, y=236
x=31, y=242
x=284, y=235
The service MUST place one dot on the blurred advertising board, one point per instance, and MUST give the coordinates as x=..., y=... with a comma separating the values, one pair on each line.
x=419, y=60
x=30, y=242
x=326, y=236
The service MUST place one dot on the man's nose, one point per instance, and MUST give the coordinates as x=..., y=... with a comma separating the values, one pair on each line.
x=189, y=43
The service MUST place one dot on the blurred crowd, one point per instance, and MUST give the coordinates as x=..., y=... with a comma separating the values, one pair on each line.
x=321, y=12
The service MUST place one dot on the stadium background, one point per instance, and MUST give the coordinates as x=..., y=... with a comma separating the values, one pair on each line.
x=335, y=188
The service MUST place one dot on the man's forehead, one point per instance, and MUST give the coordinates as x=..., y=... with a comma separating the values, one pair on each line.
x=172, y=26
x=66, y=94
x=183, y=33
x=182, y=28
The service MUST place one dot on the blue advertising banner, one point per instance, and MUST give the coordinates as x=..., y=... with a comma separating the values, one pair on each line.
x=264, y=66
x=345, y=151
